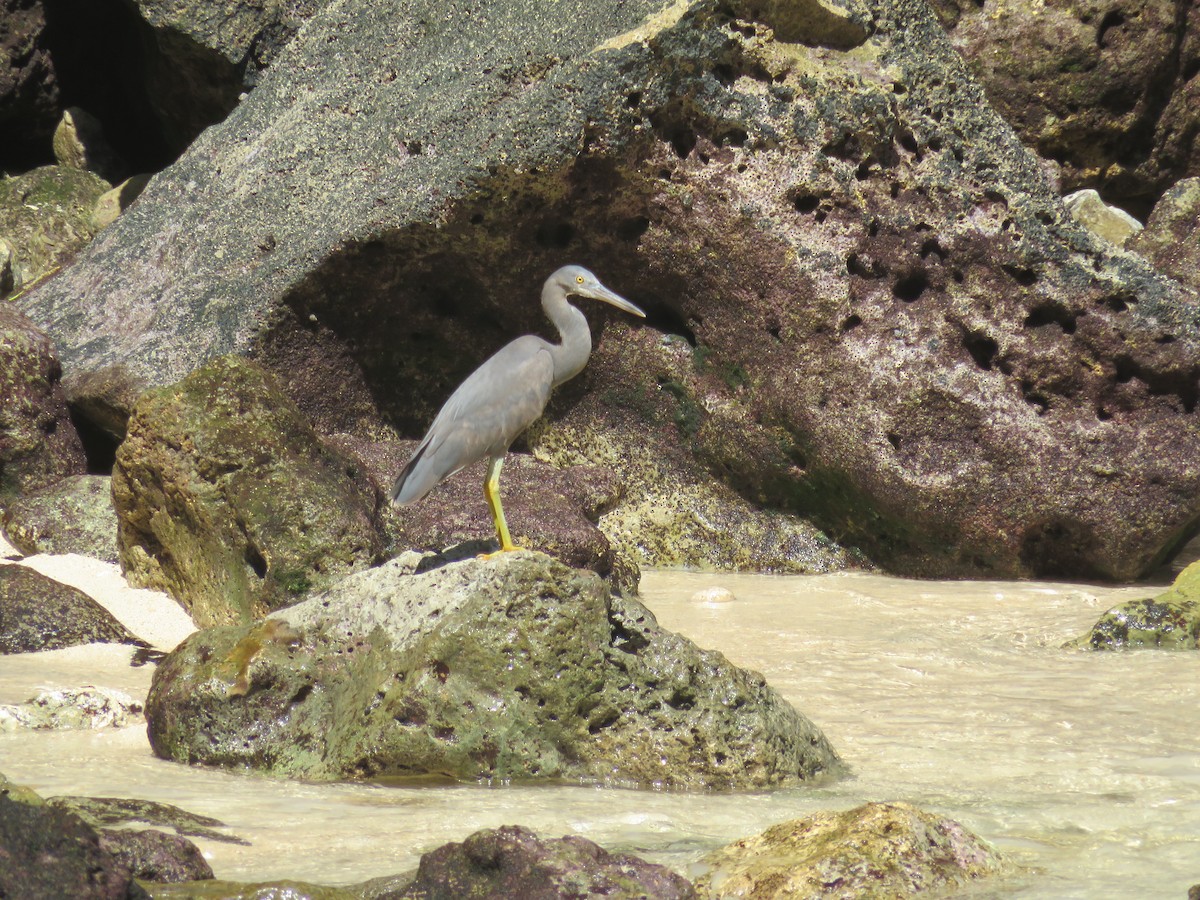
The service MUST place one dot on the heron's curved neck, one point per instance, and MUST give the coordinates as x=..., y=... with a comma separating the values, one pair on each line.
x=571, y=354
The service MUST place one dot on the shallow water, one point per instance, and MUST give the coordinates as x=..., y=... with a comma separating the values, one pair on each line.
x=1082, y=767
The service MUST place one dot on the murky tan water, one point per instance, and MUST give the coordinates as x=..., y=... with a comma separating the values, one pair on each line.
x=1083, y=767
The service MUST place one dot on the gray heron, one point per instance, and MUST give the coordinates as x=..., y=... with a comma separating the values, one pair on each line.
x=506, y=395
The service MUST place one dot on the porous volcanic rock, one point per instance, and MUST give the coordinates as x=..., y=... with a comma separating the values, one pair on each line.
x=894, y=327
x=875, y=851
x=1108, y=91
x=38, y=443
x=512, y=861
x=39, y=613
x=228, y=501
x=1169, y=621
x=73, y=515
x=485, y=670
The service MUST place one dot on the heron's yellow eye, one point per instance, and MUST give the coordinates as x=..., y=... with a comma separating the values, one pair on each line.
x=579, y=279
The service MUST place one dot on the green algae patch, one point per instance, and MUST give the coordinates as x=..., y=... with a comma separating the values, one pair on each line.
x=229, y=501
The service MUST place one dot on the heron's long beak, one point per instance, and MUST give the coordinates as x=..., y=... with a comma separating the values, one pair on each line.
x=600, y=292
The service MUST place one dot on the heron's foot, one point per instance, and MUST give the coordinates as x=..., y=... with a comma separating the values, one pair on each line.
x=503, y=549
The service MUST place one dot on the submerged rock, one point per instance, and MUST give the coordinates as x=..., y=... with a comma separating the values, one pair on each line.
x=904, y=336
x=38, y=443
x=228, y=500
x=74, y=515
x=485, y=670
x=1169, y=621
x=878, y=850
x=86, y=707
x=38, y=613
x=51, y=852
x=512, y=862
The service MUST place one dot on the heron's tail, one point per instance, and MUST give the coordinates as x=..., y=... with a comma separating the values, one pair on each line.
x=399, y=493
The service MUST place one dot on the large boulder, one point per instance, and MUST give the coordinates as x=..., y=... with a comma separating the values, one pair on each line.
x=483, y=670
x=1107, y=90
x=228, y=500
x=878, y=851
x=886, y=320
x=39, y=613
x=38, y=443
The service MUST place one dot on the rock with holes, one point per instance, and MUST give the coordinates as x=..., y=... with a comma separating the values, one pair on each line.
x=227, y=500
x=880, y=316
x=1169, y=621
x=1106, y=90
x=877, y=851
x=515, y=667
x=38, y=443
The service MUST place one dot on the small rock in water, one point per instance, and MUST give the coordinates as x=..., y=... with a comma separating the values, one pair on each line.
x=713, y=595
x=85, y=707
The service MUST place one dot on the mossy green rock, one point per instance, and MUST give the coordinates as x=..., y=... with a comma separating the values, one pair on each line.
x=1170, y=621
x=485, y=670
x=227, y=499
x=46, y=216
x=38, y=613
x=74, y=515
x=877, y=850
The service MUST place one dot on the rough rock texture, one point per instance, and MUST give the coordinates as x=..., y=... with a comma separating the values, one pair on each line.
x=548, y=509
x=46, y=216
x=103, y=812
x=228, y=500
x=74, y=515
x=1108, y=90
x=50, y=852
x=512, y=861
x=899, y=332
x=1109, y=222
x=38, y=613
x=1170, y=621
x=86, y=707
x=878, y=850
x=28, y=88
x=510, y=668
x=1171, y=238
x=38, y=443
x=156, y=856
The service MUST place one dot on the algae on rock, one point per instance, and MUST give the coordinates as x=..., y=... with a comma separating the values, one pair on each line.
x=483, y=670
x=1168, y=621
x=228, y=500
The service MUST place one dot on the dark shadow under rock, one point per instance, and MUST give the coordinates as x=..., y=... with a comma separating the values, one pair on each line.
x=38, y=613
x=486, y=670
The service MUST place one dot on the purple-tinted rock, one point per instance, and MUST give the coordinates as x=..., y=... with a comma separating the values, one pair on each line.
x=38, y=443
x=511, y=861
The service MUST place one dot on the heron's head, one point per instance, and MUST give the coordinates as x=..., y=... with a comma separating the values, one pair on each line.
x=576, y=281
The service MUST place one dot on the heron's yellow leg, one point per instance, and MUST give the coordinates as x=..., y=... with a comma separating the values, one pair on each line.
x=491, y=491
